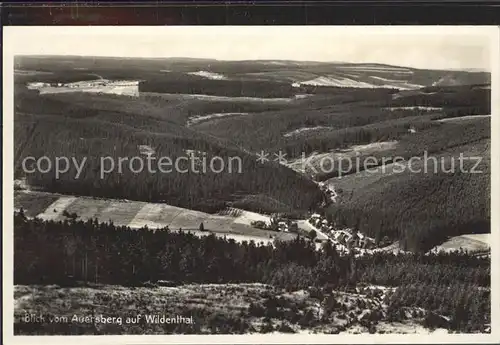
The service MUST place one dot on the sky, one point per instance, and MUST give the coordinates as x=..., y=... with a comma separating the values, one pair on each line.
x=436, y=47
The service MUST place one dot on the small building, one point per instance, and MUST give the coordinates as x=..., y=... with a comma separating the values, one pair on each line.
x=341, y=235
x=367, y=243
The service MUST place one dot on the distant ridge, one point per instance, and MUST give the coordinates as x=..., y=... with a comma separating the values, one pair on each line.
x=270, y=61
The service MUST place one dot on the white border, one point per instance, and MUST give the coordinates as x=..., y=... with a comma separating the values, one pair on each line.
x=9, y=41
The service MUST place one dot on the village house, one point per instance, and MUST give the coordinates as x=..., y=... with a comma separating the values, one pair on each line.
x=282, y=226
x=346, y=238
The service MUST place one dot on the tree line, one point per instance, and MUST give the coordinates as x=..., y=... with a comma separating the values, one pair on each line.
x=74, y=252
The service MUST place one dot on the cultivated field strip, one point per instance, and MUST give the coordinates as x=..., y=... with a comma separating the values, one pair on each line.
x=188, y=219
x=87, y=208
x=121, y=213
x=153, y=216
x=221, y=223
x=33, y=204
x=470, y=242
x=135, y=214
x=55, y=210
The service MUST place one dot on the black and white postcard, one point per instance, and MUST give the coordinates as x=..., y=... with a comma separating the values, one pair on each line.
x=251, y=184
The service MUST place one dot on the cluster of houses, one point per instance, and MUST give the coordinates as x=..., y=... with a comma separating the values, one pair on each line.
x=345, y=240
x=347, y=237
x=120, y=87
x=38, y=85
x=276, y=223
x=329, y=192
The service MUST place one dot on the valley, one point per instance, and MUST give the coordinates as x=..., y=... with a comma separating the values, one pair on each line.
x=356, y=208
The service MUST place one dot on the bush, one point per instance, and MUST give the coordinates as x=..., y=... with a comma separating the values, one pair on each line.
x=285, y=328
x=267, y=328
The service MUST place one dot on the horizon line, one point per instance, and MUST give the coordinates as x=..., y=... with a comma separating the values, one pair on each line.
x=469, y=70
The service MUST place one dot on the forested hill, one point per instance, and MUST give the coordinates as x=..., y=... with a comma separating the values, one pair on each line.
x=88, y=133
x=304, y=110
x=64, y=253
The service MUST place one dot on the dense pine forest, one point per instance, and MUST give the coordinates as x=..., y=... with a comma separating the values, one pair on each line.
x=103, y=127
x=386, y=204
x=85, y=132
x=236, y=88
x=74, y=252
x=349, y=117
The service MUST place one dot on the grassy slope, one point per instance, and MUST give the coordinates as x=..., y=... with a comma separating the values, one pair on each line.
x=238, y=308
x=474, y=243
x=225, y=308
x=139, y=214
